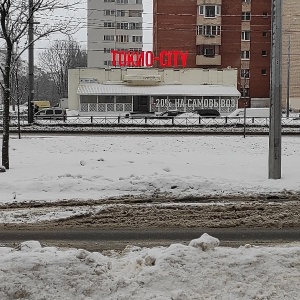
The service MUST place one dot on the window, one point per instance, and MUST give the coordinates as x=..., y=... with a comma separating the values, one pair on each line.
x=245, y=35
x=120, y=13
x=245, y=73
x=209, y=11
x=107, y=63
x=208, y=30
x=245, y=54
x=122, y=1
x=246, y=1
x=122, y=38
x=109, y=38
x=264, y=72
x=122, y=25
x=109, y=0
x=107, y=50
x=134, y=26
x=109, y=12
x=264, y=53
x=265, y=33
x=49, y=112
x=246, y=16
x=135, y=49
x=244, y=92
x=265, y=14
x=207, y=50
x=137, y=39
x=137, y=1
x=109, y=25
x=135, y=13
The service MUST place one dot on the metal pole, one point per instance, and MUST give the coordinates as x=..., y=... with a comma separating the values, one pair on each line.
x=288, y=80
x=244, y=119
x=30, y=63
x=275, y=93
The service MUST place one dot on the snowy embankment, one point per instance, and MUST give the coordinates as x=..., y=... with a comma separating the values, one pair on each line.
x=201, y=270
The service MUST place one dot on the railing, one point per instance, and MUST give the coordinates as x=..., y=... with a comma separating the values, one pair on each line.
x=153, y=121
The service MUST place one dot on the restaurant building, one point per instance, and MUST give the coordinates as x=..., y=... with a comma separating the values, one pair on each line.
x=94, y=91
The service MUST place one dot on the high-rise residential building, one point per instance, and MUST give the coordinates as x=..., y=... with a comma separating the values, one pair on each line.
x=227, y=34
x=113, y=25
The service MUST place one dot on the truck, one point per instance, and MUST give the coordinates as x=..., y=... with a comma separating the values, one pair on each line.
x=42, y=104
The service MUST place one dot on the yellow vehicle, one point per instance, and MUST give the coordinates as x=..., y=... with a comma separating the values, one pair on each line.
x=42, y=104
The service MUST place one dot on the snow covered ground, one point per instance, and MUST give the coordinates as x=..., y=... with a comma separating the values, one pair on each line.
x=52, y=168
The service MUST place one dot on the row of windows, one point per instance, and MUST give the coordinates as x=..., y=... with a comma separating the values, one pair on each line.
x=212, y=50
x=108, y=50
x=215, y=30
x=125, y=1
x=122, y=13
x=123, y=38
x=246, y=54
x=246, y=35
x=212, y=11
x=123, y=25
x=246, y=15
x=208, y=30
x=245, y=73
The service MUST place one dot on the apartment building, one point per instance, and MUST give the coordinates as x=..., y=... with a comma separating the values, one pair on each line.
x=229, y=34
x=113, y=24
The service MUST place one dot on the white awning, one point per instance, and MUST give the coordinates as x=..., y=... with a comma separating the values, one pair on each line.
x=159, y=90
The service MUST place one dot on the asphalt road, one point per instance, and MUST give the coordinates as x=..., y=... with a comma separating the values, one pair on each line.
x=99, y=239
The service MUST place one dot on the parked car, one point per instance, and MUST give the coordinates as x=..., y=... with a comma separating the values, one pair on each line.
x=53, y=113
x=170, y=114
x=139, y=114
x=251, y=112
x=207, y=112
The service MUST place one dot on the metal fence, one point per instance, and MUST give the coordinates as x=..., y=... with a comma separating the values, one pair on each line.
x=153, y=121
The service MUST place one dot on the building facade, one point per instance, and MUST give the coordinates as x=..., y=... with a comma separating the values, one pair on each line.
x=233, y=33
x=94, y=91
x=220, y=34
x=291, y=52
x=113, y=24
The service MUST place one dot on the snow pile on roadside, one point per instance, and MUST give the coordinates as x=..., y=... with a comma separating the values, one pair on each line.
x=176, y=272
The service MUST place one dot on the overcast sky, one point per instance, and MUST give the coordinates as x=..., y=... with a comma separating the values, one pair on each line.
x=79, y=15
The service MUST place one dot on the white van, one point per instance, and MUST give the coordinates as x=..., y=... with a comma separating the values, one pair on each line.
x=54, y=113
x=251, y=113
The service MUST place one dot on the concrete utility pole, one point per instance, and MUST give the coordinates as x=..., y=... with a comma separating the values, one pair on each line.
x=288, y=80
x=275, y=93
x=30, y=63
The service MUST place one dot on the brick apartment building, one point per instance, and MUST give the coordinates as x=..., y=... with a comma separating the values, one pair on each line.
x=226, y=34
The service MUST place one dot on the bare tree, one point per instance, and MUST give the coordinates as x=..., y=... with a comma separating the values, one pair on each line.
x=61, y=56
x=15, y=17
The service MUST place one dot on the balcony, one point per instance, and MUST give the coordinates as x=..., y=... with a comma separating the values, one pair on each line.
x=208, y=60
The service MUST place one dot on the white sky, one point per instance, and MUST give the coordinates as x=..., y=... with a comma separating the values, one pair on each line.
x=79, y=15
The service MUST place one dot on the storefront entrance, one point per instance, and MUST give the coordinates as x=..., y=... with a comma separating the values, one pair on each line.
x=141, y=103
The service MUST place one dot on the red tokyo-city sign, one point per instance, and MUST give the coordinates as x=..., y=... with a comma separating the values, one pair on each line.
x=166, y=58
